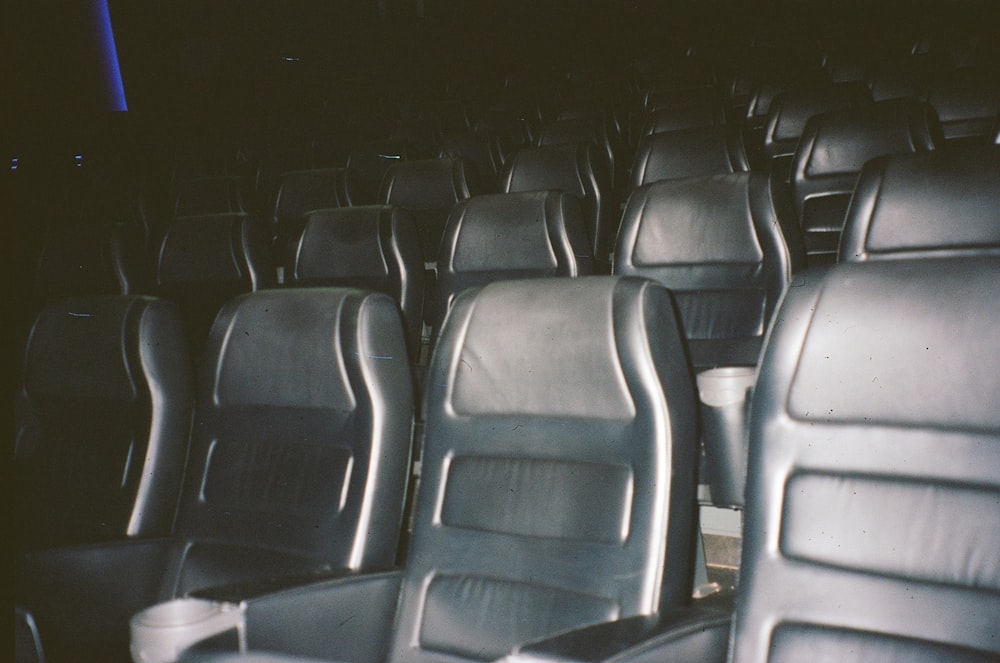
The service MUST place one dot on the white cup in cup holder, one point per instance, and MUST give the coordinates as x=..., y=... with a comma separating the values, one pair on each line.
x=162, y=632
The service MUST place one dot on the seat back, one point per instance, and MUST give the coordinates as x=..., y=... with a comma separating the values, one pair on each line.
x=578, y=169
x=511, y=236
x=875, y=469
x=301, y=191
x=102, y=421
x=716, y=243
x=688, y=153
x=484, y=150
x=371, y=160
x=370, y=247
x=428, y=189
x=205, y=260
x=210, y=195
x=558, y=469
x=967, y=104
x=938, y=203
x=833, y=148
x=301, y=445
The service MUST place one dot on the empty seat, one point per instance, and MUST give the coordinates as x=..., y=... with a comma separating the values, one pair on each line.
x=371, y=160
x=540, y=509
x=302, y=191
x=210, y=195
x=299, y=460
x=511, y=236
x=967, y=104
x=578, y=169
x=101, y=422
x=790, y=111
x=691, y=116
x=428, y=189
x=597, y=129
x=484, y=150
x=371, y=247
x=689, y=153
x=939, y=203
x=203, y=261
x=873, y=486
x=717, y=244
x=833, y=148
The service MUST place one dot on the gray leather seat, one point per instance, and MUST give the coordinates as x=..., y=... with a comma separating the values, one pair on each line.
x=557, y=486
x=101, y=424
x=696, y=152
x=302, y=191
x=511, y=236
x=874, y=473
x=299, y=460
x=371, y=247
x=833, y=148
x=211, y=195
x=936, y=204
x=717, y=244
x=370, y=160
x=967, y=103
x=428, y=189
x=579, y=169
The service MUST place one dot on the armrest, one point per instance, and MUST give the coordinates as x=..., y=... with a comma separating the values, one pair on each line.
x=681, y=634
x=344, y=619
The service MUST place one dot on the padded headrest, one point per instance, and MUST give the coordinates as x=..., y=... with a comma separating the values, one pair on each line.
x=550, y=167
x=301, y=191
x=688, y=153
x=792, y=109
x=281, y=348
x=344, y=243
x=510, y=231
x=840, y=142
x=426, y=184
x=706, y=114
x=936, y=203
x=522, y=370
x=703, y=220
x=83, y=349
x=200, y=249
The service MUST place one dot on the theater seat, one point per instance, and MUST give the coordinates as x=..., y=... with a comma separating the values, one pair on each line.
x=833, y=148
x=874, y=476
x=689, y=153
x=301, y=191
x=211, y=195
x=428, y=189
x=484, y=150
x=716, y=243
x=370, y=160
x=578, y=169
x=299, y=460
x=967, y=103
x=371, y=247
x=937, y=204
x=101, y=422
x=203, y=261
x=511, y=236
x=541, y=509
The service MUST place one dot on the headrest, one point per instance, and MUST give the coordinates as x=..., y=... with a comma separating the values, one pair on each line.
x=936, y=203
x=792, y=109
x=82, y=349
x=426, y=183
x=345, y=242
x=198, y=249
x=688, y=153
x=301, y=191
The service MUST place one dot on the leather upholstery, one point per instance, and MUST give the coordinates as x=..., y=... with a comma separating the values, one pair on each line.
x=102, y=421
x=428, y=189
x=688, y=153
x=203, y=261
x=598, y=130
x=935, y=204
x=303, y=191
x=371, y=160
x=873, y=466
x=833, y=148
x=710, y=113
x=967, y=103
x=557, y=485
x=211, y=195
x=578, y=169
x=484, y=150
x=717, y=244
x=511, y=236
x=371, y=247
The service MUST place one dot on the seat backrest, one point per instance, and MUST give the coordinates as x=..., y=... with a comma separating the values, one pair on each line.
x=371, y=160
x=596, y=129
x=301, y=445
x=938, y=203
x=485, y=150
x=688, y=153
x=558, y=470
x=578, y=169
x=102, y=421
x=710, y=113
x=833, y=148
x=967, y=103
x=371, y=247
x=511, y=236
x=792, y=109
x=874, y=469
x=428, y=189
x=716, y=243
x=210, y=195
x=302, y=191
x=205, y=260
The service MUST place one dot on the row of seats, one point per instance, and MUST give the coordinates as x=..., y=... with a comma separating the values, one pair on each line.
x=300, y=387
